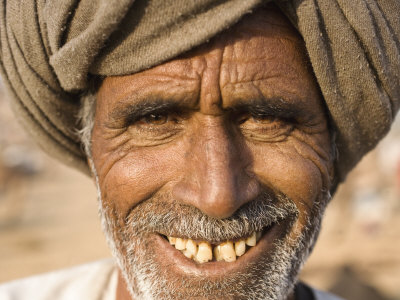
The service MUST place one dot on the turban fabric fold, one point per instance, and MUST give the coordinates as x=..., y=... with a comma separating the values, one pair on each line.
x=50, y=48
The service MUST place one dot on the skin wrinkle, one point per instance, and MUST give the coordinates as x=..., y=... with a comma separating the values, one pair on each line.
x=138, y=183
x=304, y=202
x=121, y=154
x=319, y=161
x=254, y=80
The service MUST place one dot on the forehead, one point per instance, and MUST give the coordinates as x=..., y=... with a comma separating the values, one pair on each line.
x=262, y=57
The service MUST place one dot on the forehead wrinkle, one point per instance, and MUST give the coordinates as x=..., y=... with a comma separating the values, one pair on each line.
x=277, y=74
x=181, y=68
x=256, y=59
x=209, y=74
x=182, y=90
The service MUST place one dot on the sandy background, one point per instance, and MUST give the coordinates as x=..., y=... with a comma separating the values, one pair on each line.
x=48, y=219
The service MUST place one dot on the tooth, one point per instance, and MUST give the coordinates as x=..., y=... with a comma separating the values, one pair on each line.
x=180, y=244
x=240, y=247
x=251, y=240
x=217, y=253
x=191, y=247
x=187, y=253
x=172, y=240
x=258, y=235
x=227, y=252
x=204, y=253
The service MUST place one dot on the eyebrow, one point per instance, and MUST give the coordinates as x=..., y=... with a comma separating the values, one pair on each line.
x=275, y=106
x=262, y=106
x=135, y=111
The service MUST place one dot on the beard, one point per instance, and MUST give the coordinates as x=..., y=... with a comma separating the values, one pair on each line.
x=273, y=276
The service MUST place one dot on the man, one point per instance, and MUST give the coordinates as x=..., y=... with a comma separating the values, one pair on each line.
x=210, y=135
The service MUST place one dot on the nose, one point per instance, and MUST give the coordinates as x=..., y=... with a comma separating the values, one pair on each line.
x=216, y=179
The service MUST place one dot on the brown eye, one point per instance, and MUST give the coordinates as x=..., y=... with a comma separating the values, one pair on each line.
x=264, y=128
x=260, y=119
x=155, y=119
x=264, y=119
x=243, y=118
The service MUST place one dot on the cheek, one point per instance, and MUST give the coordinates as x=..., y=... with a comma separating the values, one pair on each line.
x=283, y=169
x=138, y=176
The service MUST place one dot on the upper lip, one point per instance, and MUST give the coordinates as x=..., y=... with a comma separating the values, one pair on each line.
x=223, y=235
x=175, y=219
x=233, y=238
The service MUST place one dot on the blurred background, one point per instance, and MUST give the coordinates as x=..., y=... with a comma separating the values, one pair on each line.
x=48, y=219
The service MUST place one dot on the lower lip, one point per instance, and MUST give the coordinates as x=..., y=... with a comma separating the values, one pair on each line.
x=175, y=259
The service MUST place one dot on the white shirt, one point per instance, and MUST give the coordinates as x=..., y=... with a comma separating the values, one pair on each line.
x=97, y=281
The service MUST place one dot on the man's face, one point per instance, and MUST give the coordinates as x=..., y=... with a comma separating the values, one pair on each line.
x=227, y=141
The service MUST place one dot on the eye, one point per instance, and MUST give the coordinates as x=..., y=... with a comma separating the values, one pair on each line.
x=159, y=119
x=157, y=125
x=258, y=119
x=155, y=128
x=264, y=119
x=265, y=128
x=154, y=119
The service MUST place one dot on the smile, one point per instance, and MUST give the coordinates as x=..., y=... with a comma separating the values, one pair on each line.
x=228, y=251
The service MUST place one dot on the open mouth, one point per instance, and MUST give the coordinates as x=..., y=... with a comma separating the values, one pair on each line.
x=228, y=251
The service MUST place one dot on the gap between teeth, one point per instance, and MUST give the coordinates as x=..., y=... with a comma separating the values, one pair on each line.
x=203, y=251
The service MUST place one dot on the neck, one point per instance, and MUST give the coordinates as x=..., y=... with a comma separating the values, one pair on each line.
x=122, y=290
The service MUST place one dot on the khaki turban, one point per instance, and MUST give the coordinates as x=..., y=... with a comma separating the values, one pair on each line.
x=49, y=49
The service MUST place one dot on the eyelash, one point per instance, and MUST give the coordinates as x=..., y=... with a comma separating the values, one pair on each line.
x=142, y=118
x=169, y=125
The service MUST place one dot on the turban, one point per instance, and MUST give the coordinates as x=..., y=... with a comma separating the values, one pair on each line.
x=50, y=48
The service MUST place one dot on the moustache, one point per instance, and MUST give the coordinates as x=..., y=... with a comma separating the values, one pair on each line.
x=170, y=218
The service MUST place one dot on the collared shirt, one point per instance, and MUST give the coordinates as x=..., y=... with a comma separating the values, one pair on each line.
x=95, y=281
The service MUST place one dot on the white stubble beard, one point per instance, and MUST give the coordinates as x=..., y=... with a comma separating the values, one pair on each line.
x=145, y=280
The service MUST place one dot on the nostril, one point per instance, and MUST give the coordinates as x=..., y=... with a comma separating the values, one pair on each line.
x=222, y=199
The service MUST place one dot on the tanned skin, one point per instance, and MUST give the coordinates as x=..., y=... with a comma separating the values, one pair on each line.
x=214, y=128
